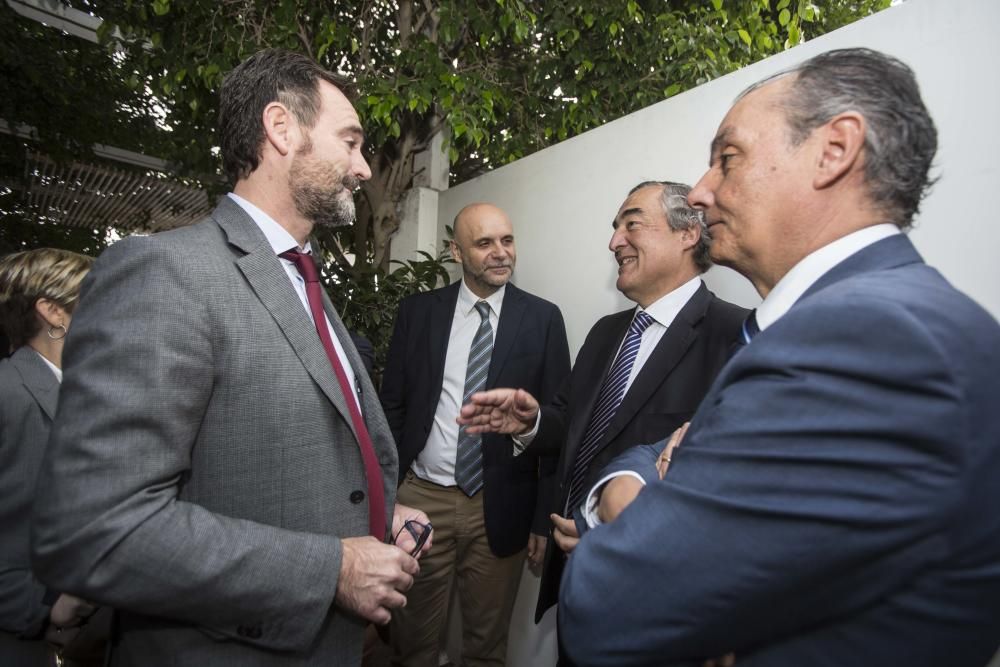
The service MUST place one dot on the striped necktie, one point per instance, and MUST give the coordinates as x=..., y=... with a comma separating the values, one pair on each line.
x=608, y=400
x=747, y=332
x=469, y=459
x=750, y=327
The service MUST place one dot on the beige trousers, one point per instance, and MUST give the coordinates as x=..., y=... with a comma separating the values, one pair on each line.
x=487, y=585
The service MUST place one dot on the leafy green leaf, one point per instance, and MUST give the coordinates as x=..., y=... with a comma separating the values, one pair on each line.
x=794, y=35
x=507, y=77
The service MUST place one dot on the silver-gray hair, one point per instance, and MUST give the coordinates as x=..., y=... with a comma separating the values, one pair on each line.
x=900, y=139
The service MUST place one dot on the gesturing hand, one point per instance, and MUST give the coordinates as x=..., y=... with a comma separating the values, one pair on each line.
x=509, y=411
x=373, y=578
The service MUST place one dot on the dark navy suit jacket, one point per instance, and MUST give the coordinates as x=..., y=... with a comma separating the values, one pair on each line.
x=529, y=351
x=664, y=395
x=834, y=502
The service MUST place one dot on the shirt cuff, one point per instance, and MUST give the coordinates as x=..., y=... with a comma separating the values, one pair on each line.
x=594, y=497
x=522, y=440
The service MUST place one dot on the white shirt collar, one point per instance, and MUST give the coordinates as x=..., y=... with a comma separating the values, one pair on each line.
x=665, y=309
x=467, y=300
x=276, y=235
x=811, y=268
x=55, y=369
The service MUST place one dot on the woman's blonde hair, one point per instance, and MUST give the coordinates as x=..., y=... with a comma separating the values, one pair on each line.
x=30, y=275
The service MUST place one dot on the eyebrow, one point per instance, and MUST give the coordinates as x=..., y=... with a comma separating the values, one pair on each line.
x=502, y=237
x=635, y=210
x=721, y=139
x=356, y=130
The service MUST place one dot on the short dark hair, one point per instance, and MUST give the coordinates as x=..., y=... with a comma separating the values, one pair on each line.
x=681, y=215
x=271, y=75
x=900, y=140
x=30, y=275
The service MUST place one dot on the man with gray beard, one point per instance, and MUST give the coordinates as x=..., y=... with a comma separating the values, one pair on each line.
x=220, y=470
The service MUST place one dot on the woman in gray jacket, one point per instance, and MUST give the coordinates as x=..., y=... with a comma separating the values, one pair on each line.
x=38, y=291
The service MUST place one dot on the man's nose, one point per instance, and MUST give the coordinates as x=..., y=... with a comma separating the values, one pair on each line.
x=617, y=239
x=360, y=168
x=701, y=195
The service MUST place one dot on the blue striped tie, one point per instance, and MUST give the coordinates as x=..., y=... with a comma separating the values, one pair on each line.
x=469, y=460
x=612, y=392
x=750, y=328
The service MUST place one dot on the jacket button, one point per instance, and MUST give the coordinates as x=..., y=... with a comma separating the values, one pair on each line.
x=357, y=496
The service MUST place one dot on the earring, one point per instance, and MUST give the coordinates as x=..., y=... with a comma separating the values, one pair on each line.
x=58, y=326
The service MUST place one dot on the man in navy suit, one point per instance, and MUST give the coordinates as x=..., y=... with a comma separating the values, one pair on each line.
x=833, y=502
x=481, y=331
x=661, y=249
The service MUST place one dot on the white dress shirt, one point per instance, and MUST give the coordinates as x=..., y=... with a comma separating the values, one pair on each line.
x=811, y=268
x=55, y=369
x=663, y=311
x=779, y=300
x=436, y=462
x=280, y=241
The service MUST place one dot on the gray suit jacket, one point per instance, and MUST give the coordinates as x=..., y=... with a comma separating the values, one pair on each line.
x=203, y=467
x=28, y=394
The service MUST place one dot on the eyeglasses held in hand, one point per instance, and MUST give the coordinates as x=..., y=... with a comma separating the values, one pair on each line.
x=419, y=531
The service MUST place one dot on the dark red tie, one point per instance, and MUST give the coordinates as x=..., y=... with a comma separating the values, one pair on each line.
x=373, y=472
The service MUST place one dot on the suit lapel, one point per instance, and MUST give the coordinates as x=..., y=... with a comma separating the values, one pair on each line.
x=439, y=319
x=267, y=278
x=511, y=314
x=600, y=364
x=668, y=352
x=38, y=379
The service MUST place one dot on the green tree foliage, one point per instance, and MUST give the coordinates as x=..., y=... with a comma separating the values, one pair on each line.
x=502, y=79
x=367, y=300
x=73, y=95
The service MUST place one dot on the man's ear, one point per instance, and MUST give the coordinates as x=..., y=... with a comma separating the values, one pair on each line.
x=843, y=138
x=456, y=252
x=690, y=237
x=279, y=127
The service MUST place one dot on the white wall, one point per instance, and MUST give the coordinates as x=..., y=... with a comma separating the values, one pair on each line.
x=562, y=199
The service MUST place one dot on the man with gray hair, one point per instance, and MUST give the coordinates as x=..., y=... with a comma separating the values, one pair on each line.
x=832, y=502
x=640, y=373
